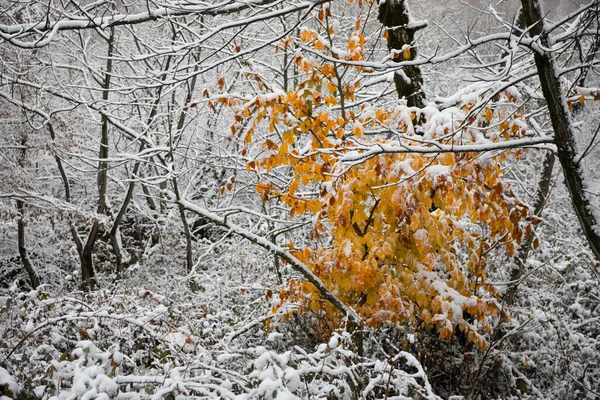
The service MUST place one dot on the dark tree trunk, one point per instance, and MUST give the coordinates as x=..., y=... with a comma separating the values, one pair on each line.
x=86, y=252
x=35, y=281
x=189, y=257
x=86, y=257
x=561, y=123
x=117, y=245
x=401, y=29
x=115, y=235
x=103, y=152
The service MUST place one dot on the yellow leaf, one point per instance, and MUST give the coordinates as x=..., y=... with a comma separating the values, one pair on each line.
x=293, y=187
x=358, y=129
x=414, y=222
x=421, y=299
x=331, y=87
x=387, y=249
x=488, y=114
x=421, y=238
x=305, y=125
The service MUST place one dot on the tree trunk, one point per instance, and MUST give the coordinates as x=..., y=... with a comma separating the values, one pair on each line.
x=561, y=122
x=87, y=264
x=103, y=153
x=87, y=251
x=401, y=28
x=115, y=232
x=85, y=259
x=189, y=257
x=35, y=281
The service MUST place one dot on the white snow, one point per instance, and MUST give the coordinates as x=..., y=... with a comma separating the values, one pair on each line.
x=9, y=381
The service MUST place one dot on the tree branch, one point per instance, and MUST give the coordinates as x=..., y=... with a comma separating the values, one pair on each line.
x=296, y=264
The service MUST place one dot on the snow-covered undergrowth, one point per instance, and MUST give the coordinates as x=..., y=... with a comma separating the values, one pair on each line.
x=553, y=342
x=135, y=345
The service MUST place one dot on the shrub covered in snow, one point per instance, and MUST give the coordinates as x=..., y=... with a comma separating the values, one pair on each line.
x=134, y=345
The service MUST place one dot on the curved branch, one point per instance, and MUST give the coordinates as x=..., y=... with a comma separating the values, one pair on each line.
x=48, y=28
x=296, y=264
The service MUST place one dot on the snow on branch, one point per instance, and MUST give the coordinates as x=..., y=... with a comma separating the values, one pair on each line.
x=29, y=197
x=361, y=153
x=136, y=345
x=48, y=27
x=296, y=264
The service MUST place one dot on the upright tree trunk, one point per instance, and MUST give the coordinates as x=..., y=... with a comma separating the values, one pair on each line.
x=189, y=257
x=87, y=251
x=115, y=231
x=88, y=275
x=103, y=152
x=401, y=28
x=115, y=235
x=87, y=270
x=561, y=123
x=35, y=281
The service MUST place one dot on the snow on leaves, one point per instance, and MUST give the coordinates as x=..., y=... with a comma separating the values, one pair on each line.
x=410, y=232
x=133, y=346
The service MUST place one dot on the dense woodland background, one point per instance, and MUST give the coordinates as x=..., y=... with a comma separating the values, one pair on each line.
x=228, y=199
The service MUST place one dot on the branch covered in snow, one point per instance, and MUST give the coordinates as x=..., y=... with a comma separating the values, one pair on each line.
x=296, y=264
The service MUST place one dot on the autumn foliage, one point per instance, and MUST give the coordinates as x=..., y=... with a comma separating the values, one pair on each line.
x=406, y=222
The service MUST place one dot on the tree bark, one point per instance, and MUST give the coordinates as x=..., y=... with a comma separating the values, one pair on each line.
x=189, y=257
x=87, y=251
x=396, y=19
x=35, y=281
x=103, y=152
x=115, y=232
x=561, y=122
x=87, y=266
x=86, y=257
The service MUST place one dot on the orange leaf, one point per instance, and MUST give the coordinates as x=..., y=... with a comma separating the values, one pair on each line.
x=488, y=114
